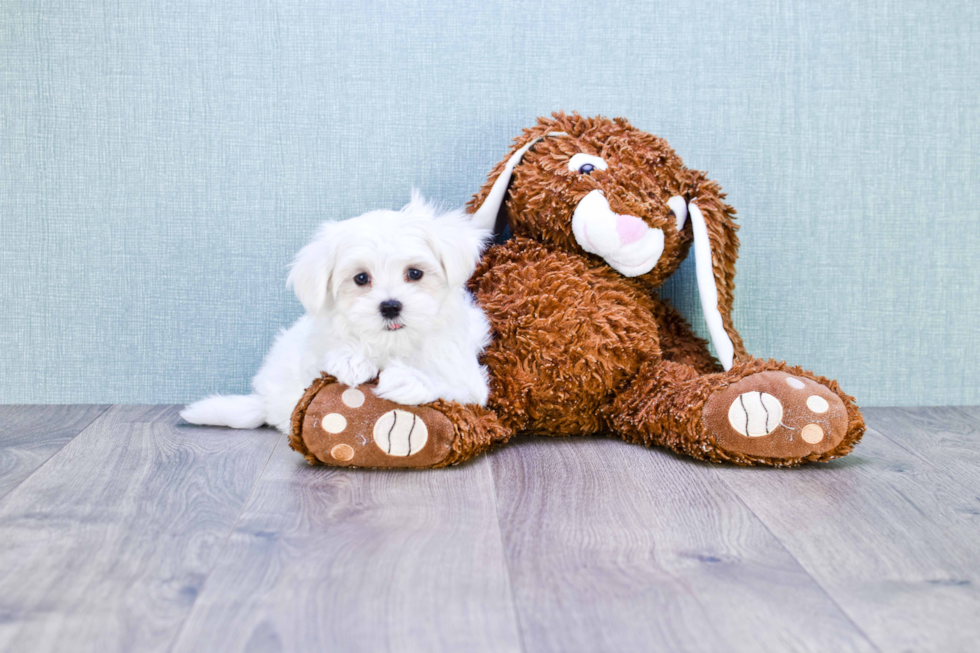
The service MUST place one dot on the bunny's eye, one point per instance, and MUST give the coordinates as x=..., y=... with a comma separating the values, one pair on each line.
x=584, y=164
x=362, y=279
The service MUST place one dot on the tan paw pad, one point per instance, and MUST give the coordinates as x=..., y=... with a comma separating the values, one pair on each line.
x=812, y=433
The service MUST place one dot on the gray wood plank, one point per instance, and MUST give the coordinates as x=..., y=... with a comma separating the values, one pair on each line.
x=971, y=412
x=29, y=435
x=891, y=538
x=360, y=560
x=615, y=547
x=946, y=438
x=106, y=546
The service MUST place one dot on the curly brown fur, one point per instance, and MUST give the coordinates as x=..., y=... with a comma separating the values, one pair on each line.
x=477, y=430
x=568, y=334
x=296, y=442
x=678, y=342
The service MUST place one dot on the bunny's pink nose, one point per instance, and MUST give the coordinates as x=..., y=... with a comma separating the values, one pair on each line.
x=630, y=229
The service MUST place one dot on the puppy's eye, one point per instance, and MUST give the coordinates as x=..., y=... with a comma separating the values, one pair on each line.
x=362, y=279
x=584, y=164
x=413, y=274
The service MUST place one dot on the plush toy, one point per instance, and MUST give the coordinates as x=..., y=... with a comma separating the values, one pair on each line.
x=599, y=214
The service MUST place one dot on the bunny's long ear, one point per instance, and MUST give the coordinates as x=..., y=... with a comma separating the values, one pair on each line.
x=485, y=217
x=715, y=252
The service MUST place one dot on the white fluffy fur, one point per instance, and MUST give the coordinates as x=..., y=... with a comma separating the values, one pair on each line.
x=434, y=354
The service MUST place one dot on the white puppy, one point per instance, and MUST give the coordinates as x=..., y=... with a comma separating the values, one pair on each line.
x=384, y=292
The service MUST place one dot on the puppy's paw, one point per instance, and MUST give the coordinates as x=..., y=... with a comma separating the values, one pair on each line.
x=403, y=385
x=349, y=368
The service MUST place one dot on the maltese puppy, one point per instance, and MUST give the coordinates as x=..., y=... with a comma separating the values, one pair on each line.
x=385, y=297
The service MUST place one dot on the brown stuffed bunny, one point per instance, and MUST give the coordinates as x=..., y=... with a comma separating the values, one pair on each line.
x=601, y=214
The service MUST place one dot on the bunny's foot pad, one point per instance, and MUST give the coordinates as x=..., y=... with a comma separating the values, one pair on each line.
x=777, y=416
x=351, y=427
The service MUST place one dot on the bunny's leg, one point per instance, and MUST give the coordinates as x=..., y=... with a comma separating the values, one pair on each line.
x=336, y=425
x=758, y=413
x=678, y=342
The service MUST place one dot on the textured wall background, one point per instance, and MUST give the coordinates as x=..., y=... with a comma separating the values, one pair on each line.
x=160, y=162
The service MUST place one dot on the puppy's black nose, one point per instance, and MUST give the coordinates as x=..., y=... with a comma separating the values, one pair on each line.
x=390, y=308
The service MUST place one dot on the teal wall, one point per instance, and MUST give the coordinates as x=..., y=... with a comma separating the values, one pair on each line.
x=160, y=162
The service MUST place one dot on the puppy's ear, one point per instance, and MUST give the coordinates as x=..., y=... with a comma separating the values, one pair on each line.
x=457, y=243
x=309, y=275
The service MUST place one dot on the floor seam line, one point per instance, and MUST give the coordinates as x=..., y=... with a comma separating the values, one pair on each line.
x=929, y=463
x=218, y=556
x=503, y=554
x=816, y=582
x=59, y=450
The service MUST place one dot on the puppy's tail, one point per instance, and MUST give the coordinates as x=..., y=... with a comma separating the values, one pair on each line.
x=236, y=411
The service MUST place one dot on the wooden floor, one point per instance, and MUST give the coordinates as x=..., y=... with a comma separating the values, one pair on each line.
x=123, y=529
